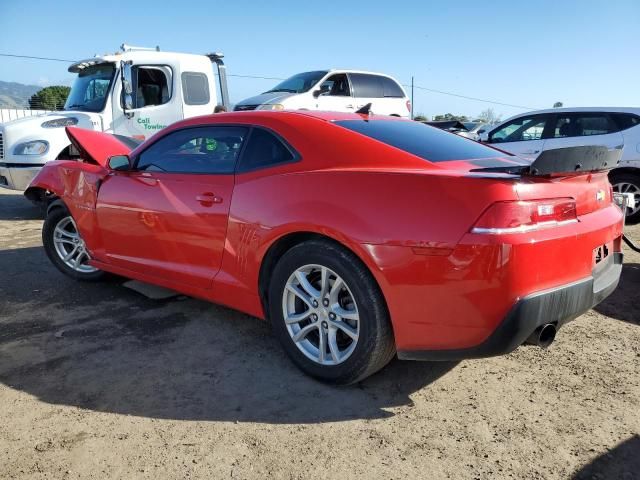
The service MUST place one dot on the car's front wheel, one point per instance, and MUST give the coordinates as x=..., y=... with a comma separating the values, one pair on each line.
x=66, y=248
x=329, y=314
x=629, y=184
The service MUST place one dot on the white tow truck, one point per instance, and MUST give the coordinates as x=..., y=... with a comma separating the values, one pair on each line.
x=134, y=92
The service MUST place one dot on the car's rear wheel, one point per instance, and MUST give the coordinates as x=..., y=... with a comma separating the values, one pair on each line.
x=630, y=184
x=329, y=314
x=66, y=248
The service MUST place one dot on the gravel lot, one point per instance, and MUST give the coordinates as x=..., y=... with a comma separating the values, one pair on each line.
x=97, y=381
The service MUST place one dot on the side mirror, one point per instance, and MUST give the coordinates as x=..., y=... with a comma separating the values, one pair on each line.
x=126, y=77
x=119, y=163
x=323, y=90
x=483, y=136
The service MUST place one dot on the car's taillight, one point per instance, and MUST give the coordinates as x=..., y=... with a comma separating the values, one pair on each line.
x=409, y=106
x=526, y=216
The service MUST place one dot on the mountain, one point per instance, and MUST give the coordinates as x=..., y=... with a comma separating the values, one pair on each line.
x=14, y=94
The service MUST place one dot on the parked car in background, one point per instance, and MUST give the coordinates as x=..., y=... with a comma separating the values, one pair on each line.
x=475, y=130
x=357, y=236
x=528, y=135
x=452, y=126
x=336, y=91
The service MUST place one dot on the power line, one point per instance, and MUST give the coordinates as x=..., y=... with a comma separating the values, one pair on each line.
x=254, y=76
x=258, y=77
x=37, y=58
x=470, y=98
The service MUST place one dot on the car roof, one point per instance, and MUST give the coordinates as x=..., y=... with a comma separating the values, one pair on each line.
x=634, y=110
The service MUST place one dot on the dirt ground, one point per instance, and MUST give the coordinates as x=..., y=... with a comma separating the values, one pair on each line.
x=97, y=381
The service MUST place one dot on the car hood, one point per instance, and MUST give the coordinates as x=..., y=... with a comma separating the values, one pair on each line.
x=98, y=147
x=267, y=97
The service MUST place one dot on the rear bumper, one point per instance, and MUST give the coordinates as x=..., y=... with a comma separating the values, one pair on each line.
x=18, y=178
x=557, y=305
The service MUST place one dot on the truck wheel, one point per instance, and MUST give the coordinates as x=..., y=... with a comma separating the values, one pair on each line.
x=65, y=248
x=628, y=183
x=328, y=313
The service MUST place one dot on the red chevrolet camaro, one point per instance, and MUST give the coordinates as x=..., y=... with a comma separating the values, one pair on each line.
x=358, y=237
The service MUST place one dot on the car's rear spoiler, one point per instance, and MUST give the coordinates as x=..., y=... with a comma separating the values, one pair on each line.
x=564, y=161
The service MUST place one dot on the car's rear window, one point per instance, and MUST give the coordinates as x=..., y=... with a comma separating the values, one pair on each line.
x=427, y=142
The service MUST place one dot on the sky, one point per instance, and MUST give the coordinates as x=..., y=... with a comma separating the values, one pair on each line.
x=530, y=54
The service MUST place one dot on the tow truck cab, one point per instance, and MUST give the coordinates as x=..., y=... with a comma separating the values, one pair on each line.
x=134, y=92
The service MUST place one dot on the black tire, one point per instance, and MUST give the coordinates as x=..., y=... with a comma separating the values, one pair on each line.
x=375, y=346
x=56, y=214
x=634, y=179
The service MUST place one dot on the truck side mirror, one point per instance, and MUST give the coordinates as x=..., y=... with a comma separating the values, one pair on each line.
x=126, y=77
x=119, y=163
x=323, y=90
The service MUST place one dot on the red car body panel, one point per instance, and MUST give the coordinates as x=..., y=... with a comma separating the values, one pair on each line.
x=407, y=219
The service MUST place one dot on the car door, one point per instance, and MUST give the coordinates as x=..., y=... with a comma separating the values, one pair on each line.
x=522, y=136
x=335, y=94
x=168, y=216
x=583, y=128
x=155, y=104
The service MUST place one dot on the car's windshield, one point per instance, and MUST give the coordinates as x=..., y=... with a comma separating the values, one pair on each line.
x=91, y=88
x=299, y=83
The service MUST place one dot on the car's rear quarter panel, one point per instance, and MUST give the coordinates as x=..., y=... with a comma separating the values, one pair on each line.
x=403, y=226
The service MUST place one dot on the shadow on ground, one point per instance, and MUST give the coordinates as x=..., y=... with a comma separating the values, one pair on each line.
x=622, y=304
x=622, y=463
x=105, y=348
x=17, y=207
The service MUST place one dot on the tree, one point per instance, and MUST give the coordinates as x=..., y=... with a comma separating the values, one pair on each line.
x=489, y=116
x=557, y=105
x=50, y=98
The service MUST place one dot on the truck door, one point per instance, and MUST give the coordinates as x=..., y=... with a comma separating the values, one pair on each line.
x=156, y=102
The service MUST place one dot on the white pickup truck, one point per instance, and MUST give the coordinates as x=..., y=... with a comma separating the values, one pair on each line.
x=134, y=92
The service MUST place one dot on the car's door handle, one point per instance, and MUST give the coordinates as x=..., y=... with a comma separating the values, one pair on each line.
x=531, y=152
x=208, y=198
x=349, y=106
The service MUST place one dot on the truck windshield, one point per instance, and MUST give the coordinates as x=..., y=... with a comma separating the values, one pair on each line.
x=91, y=88
x=299, y=83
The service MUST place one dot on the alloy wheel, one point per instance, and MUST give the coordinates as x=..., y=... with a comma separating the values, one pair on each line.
x=625, y=187
x=321, y=314
x=70, y=247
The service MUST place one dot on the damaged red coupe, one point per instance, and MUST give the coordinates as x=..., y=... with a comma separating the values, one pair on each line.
x=358, y=237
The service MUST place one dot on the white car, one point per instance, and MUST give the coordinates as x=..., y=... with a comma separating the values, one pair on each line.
x=334, y=90
x=529, y=134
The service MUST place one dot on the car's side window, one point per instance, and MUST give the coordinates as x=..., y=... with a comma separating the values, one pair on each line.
x=337, y=85
x=583, y=124
x=366, y=85
x=212, y=150
x=520, y=129
x=264, y=149
x=625, y=120
x=391, y=88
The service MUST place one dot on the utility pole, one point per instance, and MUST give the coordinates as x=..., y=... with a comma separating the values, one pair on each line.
x=411, y=97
